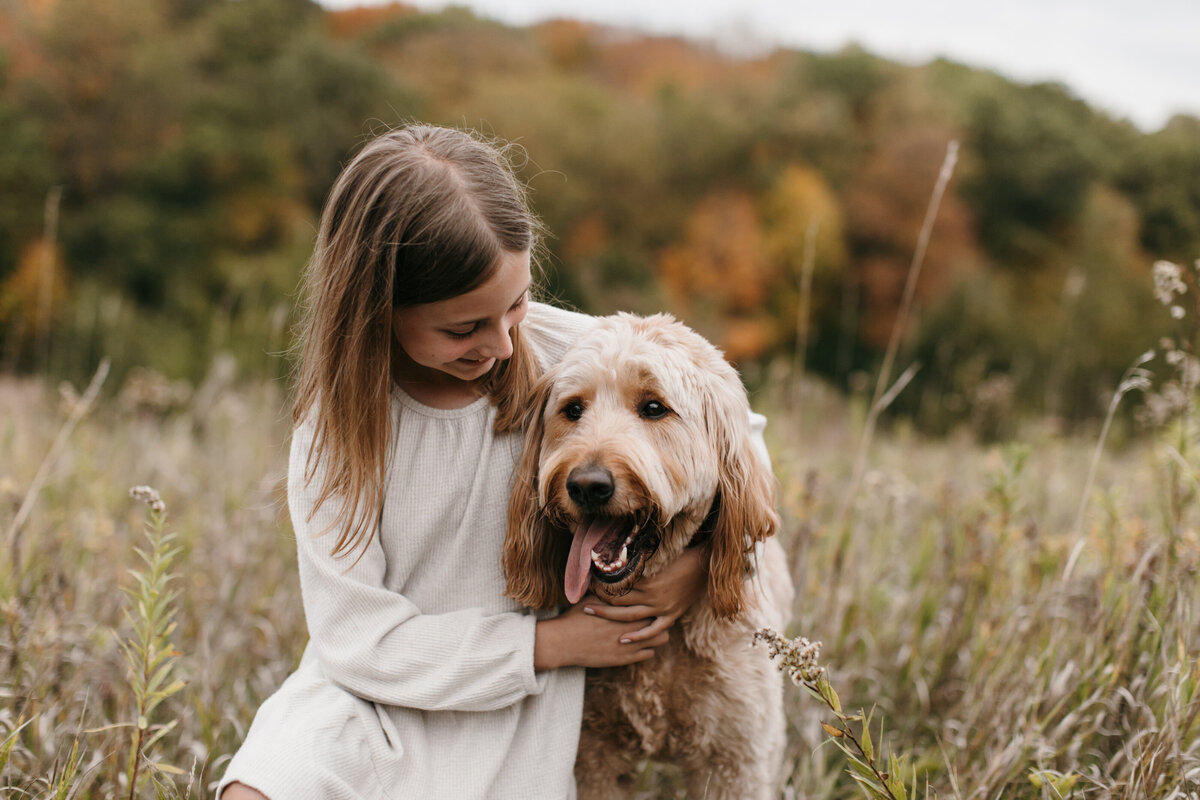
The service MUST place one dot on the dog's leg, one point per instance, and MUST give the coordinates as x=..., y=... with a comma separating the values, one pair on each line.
x=610, y=745
x=737, y=752
x=603, y=771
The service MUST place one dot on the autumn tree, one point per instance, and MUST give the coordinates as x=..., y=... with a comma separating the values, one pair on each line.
x=886, y=204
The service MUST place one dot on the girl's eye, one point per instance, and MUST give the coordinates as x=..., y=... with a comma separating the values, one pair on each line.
x=652, y=409
x=460, y=334
x=573, y=411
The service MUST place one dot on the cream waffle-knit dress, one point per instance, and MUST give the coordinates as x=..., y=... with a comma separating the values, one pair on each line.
x=418, y=678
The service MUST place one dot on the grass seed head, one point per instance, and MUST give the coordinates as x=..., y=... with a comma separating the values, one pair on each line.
x=797, y=657
x=150, y=497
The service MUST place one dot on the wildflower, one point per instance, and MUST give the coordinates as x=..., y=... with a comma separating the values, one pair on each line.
x=149, y=496
x=1168, y=282
x=797, y=657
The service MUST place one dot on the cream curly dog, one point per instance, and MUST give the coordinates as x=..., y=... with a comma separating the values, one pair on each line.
x=641, y=446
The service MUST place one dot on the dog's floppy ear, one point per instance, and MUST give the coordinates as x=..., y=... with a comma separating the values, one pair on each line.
x=534, y=557
x=745, y=496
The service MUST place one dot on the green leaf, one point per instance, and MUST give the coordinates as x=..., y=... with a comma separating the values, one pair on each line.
x=828, y=694
x=160, y=733
x=167, y=768
x=1063, y=784
x=7, y=745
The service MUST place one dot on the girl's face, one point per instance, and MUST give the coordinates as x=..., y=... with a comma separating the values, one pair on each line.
x=461, y=338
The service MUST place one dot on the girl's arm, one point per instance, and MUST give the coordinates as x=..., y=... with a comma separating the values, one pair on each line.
x=378, y=644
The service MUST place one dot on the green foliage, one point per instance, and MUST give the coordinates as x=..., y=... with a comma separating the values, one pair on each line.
x=26, y=173
x=1161, y=174
x=1031, y=169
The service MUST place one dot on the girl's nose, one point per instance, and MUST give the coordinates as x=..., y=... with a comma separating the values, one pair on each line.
x=498, y=344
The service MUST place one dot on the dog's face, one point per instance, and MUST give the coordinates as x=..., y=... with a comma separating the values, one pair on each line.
x=642, y=431
x=627, y=465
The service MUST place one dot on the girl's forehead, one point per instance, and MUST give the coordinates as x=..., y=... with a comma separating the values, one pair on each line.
x=506, y=286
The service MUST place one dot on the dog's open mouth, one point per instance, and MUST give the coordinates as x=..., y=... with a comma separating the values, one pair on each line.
x=607, y=547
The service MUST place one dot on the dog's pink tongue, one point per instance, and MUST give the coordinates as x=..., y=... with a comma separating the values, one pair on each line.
x=579, y=563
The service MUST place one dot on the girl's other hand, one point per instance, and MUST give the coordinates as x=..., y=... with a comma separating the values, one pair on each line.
x=580, y=639
x=660, y=600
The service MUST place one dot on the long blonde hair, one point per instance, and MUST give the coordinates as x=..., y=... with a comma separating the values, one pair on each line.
x=420, y=214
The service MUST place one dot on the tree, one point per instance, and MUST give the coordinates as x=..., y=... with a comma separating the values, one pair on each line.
x=886, y=204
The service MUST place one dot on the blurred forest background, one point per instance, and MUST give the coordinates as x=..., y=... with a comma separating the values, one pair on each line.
x=163, y=162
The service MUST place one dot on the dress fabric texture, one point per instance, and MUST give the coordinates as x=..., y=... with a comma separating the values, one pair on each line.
x=418, y=676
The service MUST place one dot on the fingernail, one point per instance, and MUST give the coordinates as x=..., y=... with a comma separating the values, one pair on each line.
x=589, y=610
x=626, y=641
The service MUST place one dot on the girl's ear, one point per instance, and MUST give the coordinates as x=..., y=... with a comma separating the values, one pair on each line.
x=535, y=555
x=745, y=502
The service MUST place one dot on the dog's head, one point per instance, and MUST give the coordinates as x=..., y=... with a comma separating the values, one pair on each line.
x=638, y=445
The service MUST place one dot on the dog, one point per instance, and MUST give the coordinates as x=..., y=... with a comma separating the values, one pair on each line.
x=640, y=446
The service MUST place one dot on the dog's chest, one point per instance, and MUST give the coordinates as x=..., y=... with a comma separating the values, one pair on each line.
x=654, y=701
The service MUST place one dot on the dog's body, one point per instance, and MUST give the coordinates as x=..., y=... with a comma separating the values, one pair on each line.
x=642, y=447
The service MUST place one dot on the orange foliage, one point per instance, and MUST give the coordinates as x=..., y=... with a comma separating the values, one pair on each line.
x=722, y=269
x=801, y=198
x=644, y=64
x=745, y=339
x=34, y=293
x=23, y=55
x=351, y=22
x=569, y=43
x=588, y=238
x=723, y=254
x=886, y=207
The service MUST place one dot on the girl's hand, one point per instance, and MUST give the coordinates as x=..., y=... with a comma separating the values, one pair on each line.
x=660, y=600
x=579, y=639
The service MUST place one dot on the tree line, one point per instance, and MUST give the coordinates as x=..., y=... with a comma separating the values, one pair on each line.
x=163, y=163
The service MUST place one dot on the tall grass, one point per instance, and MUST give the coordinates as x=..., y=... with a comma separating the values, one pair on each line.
x=982, y=664
x=64, y=678
x=1015, y=647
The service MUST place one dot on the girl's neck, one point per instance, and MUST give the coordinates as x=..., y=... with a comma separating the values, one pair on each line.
x=432, y=388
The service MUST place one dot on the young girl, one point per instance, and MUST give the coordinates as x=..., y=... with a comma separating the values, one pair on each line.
x=421, y=345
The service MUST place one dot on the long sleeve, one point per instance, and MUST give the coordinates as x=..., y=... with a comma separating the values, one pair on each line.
x=377, y=643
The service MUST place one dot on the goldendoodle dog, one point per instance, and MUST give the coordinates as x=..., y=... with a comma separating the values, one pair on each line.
x=640, y=447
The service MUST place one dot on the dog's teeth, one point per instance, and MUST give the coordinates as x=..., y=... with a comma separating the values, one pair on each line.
x=624, y=553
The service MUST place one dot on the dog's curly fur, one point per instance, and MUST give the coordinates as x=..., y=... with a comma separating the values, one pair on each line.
x=641, y=436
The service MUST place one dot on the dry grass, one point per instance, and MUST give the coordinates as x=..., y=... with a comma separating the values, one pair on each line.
x=941, y=605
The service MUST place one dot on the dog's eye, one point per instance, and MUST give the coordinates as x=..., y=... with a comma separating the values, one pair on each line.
x=573, y=411
x=652, y=409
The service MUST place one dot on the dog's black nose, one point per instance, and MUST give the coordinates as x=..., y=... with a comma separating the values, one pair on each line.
x=590, y=487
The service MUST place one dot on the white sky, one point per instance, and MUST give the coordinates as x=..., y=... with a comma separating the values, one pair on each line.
x=1133, y=58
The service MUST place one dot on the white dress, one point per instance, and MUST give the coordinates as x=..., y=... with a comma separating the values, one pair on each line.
x=418, y=677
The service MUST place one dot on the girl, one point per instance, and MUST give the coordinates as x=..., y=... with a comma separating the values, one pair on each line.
x=420, y=678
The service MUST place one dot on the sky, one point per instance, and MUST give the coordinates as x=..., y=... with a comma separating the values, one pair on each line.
x=1136, y=59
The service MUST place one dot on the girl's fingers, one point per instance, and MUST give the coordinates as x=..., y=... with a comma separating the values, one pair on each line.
x=634, y=597
x=657, y=626
x=618, y=613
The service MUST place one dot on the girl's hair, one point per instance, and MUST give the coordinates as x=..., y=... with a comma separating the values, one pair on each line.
x=421, y=214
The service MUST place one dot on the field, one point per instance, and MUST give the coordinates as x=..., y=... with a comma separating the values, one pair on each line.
x=999, y=646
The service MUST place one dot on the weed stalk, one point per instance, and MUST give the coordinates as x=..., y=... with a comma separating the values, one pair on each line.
x=150, y=657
